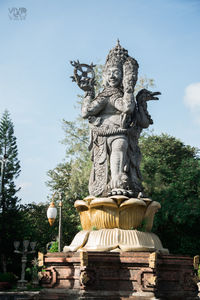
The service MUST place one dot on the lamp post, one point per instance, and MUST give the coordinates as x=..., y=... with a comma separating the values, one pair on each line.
x=51, y=215
x=22, y=282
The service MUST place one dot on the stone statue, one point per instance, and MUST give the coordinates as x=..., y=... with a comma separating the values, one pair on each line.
x=116, y=120
x=116, y=216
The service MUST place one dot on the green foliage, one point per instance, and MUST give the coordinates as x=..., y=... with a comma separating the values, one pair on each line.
x=144, y=83
x=198, y=272
x=8, y=147
x=142, y=227
x=98, y=78
x=162, y=156
x=54, y=247
x=28, y=273
x=9, y=203
x=35, y=269
x=8, y=277
x=171, y=174
x=94, y=228
x=36, y=226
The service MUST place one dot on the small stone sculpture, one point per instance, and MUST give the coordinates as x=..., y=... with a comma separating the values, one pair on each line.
x=116, y=120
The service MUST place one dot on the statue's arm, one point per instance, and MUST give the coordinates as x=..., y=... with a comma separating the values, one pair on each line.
x=126, y=104
x=92, y=106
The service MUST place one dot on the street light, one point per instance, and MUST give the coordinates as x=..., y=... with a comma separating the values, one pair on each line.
x=51, y=215
x=22, y=282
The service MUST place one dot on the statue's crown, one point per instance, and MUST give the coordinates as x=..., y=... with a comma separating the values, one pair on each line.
x=117, y=55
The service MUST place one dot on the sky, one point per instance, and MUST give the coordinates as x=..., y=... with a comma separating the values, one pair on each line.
x=35, y=54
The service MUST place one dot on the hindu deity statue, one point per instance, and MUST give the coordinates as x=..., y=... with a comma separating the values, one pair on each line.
x=116, y=216
x=116, y=120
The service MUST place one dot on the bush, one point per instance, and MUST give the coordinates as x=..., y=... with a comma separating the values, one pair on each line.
x=8, y=277
x=54, y=247
x=199, y=272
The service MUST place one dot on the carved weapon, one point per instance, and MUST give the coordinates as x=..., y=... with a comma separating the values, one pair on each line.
x=84, y=75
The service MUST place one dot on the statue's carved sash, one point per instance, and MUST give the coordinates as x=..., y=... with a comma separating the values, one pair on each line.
x=99, y=174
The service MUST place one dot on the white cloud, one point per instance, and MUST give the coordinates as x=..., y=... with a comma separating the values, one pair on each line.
x=192, y=99
x=192, y=96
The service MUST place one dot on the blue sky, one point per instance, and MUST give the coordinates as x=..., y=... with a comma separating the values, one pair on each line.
x=163, y=35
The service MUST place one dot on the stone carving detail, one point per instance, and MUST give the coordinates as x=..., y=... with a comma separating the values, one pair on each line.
x=116, y=120
x=153, y=260
x=49, y=277
x=87, y=277
x=84, y=278
x=148, y=280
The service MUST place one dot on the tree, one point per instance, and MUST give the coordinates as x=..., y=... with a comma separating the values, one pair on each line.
x=9, y=202
x=71, y=179
x=36, y=226
x=171, y=174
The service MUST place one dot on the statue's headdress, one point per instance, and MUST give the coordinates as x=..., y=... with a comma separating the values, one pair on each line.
x=118, y=57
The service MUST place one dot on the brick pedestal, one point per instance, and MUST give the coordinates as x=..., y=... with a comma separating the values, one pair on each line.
x=124, y=275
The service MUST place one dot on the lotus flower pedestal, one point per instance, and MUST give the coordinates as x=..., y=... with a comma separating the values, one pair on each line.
x=116, y=223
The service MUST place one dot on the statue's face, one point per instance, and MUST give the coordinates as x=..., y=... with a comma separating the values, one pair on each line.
x=113, y=76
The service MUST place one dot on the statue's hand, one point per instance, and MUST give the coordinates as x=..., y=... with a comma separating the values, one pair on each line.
x=84, y=75
x=86, y=84
x=129, y=89
x=145, y=95
x=128, y=84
